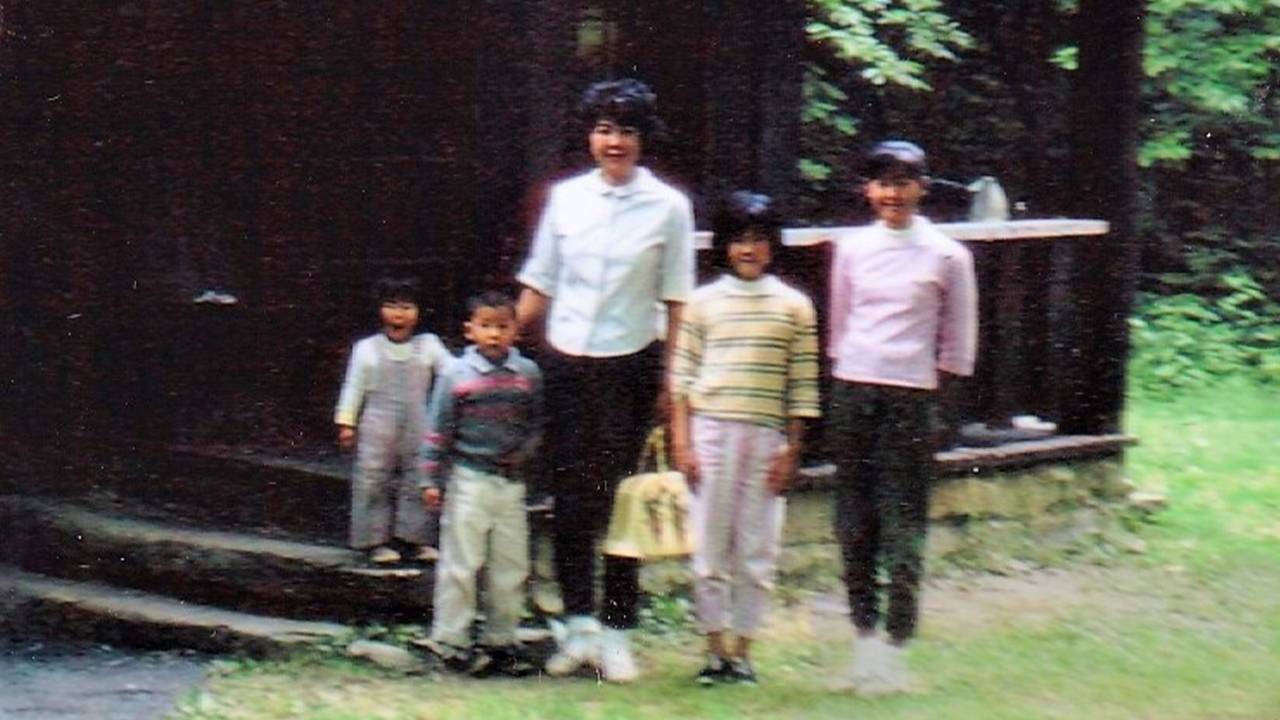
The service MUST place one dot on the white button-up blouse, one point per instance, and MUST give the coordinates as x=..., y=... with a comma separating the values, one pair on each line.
x=606, y=257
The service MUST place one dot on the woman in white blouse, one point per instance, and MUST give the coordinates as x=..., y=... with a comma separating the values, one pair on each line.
x=612, y=255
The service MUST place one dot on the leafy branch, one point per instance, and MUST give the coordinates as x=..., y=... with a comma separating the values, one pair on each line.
x=883, y=43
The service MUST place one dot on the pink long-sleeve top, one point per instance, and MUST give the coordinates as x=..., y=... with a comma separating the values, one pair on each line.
x=904, y=305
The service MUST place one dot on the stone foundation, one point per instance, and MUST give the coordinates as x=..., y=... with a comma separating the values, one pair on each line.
x=993, y=519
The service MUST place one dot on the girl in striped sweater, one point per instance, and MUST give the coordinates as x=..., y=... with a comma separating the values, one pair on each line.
x=744, y=379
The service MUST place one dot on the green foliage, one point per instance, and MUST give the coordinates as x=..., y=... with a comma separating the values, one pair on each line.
x=1067, y=58
x=1171, y=145
x=880, y=36
x=667, y=615
x=1212, y=69
x=887, y=41
x=394, y=634
x=1188, y=340
x=864, y=45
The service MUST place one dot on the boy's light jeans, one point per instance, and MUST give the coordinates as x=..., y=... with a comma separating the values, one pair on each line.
x=484, y=524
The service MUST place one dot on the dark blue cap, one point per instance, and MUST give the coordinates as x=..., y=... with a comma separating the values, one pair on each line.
x=896, y=155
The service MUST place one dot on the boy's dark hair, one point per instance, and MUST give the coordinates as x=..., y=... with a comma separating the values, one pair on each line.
x=397, y=289
x=895, y=156
x=627, y=102
x=739, y=212
x=490, y=299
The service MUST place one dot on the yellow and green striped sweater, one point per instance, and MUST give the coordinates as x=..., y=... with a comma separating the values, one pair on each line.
x=748, y=351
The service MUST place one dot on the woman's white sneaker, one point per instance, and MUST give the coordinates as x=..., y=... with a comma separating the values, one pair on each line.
x=579, y=645
x=617, y=664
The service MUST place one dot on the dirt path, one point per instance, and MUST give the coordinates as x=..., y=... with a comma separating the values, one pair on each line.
x=979, y=602
x=61, y=682
x=973, y=603
x=40, y=681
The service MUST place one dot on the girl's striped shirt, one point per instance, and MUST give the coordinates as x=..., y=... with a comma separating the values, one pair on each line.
x=748, y=351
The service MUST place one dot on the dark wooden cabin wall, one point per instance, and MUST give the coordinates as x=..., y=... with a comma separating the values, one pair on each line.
x=287, y=153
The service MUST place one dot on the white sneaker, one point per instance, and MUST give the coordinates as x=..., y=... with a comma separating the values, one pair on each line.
x=617, y=664
x=579, y=644
x=878, y=668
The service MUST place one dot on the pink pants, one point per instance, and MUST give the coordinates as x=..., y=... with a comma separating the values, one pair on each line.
x=737, y=524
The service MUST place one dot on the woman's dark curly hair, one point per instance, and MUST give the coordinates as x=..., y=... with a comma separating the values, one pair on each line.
x=627, y=102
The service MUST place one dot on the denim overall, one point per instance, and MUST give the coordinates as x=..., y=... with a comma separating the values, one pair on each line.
x=385, y=500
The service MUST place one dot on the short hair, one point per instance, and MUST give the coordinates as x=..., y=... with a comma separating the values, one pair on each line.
x=895, y=155
x=744, y=210
x=392, y=289
x=490, y=299
x=627, y=102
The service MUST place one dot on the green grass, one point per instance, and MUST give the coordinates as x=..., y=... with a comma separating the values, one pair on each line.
x=1216, y=453
x=1189, y=629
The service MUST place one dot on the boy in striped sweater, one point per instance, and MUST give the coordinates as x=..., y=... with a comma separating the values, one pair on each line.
x=485, y=423
x=744, y=379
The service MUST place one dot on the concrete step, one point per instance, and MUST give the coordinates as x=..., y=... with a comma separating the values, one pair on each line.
x=228, y=569
x=61, y=607
x=205, y=487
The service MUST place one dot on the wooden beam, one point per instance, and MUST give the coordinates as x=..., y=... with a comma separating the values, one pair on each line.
x=968, y=231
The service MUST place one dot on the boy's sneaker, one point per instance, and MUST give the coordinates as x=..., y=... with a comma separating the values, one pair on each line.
x=509, y=660
x=741, y=672
x=461, y=660
x=579, y=644
x=383, y=555
x=716, y=670
x=452, y=657
x=617, y=664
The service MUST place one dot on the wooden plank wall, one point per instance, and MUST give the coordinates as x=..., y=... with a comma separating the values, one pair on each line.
x=286, y=153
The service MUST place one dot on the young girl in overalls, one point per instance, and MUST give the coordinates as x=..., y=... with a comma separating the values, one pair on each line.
x=382, y=414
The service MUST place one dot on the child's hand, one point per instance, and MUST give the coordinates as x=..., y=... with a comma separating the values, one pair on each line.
x=346, y=437
x=431, y=498
x=513, y=459
x=781, y=469
x=662, y=405
x=686, y=462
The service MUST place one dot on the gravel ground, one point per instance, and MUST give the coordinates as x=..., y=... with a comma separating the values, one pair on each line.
x=59, y=681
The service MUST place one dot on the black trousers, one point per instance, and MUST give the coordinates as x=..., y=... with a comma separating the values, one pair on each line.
x=601, y=410
x=881, y=439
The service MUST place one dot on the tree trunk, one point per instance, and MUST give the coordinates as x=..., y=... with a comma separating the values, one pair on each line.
x=1092, y=347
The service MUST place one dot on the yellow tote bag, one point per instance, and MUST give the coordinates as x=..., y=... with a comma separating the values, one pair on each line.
x=650, y=516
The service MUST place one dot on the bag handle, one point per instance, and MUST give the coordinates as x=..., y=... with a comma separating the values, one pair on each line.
x=655, y=448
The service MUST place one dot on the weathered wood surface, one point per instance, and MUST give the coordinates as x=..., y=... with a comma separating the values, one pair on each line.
x=291, y=153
